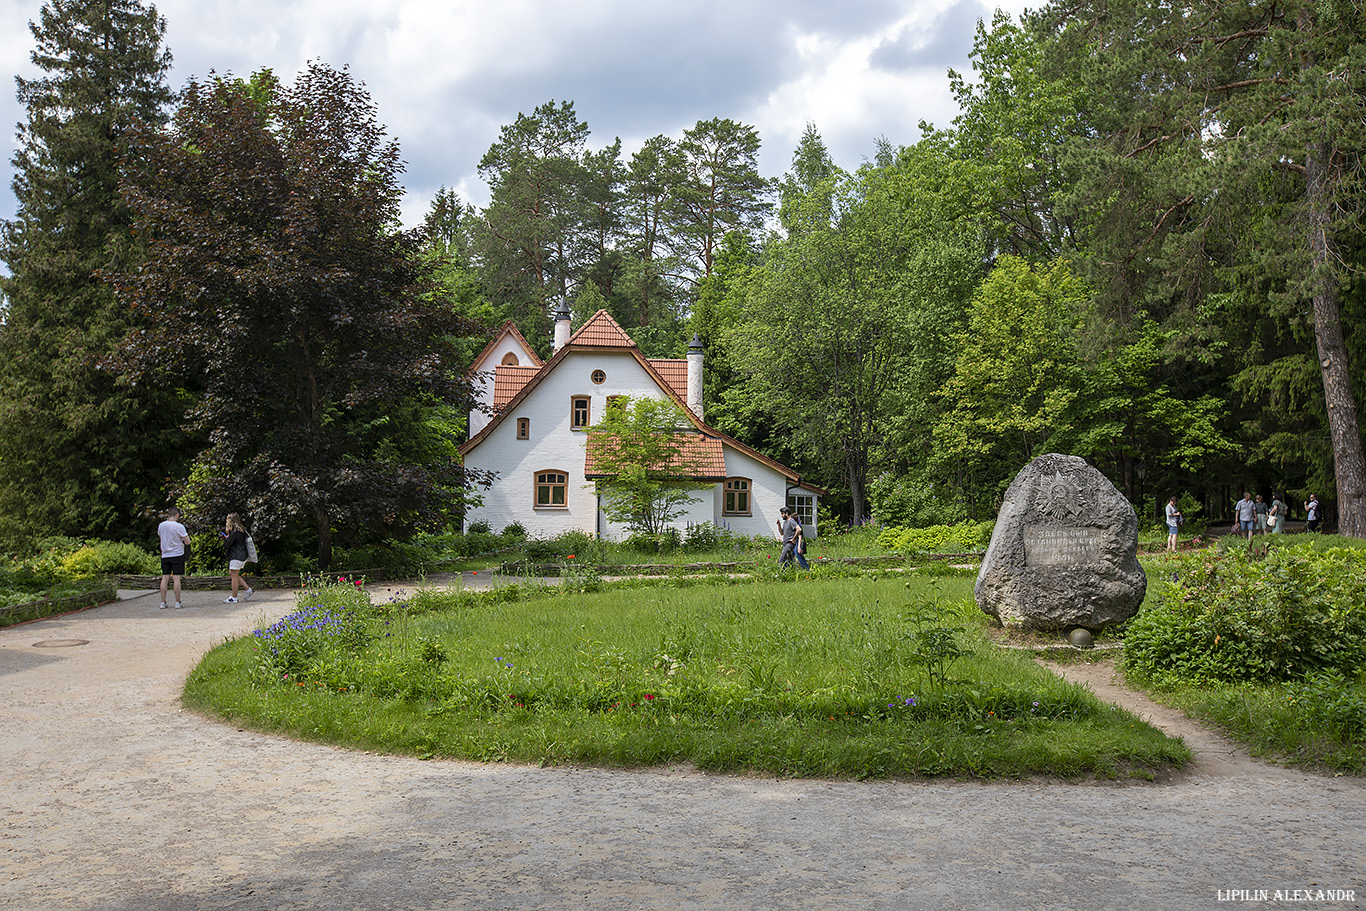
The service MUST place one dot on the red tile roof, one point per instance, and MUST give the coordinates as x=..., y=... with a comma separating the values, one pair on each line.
x=704, y=457
x=601, y=331
x=508, y=381
x=674, y=372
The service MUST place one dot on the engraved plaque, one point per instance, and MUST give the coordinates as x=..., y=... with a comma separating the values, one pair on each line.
x=1058, y=545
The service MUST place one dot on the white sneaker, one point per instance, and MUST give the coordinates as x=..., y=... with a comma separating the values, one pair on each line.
x=248, y=593
x=230, y=600
x=178, y=605
x=164, y=605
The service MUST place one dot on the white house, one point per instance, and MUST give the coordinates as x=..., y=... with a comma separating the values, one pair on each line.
x=533, y=440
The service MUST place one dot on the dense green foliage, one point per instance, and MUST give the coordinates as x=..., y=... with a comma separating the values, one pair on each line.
x=326, y=372
x=1138, y=242
x=1239, y=616
x=965, y=536
x=80, y=453
x=66, y=573
x=783, y=679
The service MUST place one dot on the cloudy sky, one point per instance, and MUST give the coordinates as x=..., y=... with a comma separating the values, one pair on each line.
x=446, y=75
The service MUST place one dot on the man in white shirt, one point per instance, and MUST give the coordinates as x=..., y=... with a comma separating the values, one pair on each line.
x=174, y=538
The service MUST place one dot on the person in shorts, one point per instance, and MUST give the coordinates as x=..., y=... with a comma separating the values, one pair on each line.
x=1260, y=508
x=1246, y=514
x=235, y=546
x=1311, y=513
x=1173, y=523
x=173, y=539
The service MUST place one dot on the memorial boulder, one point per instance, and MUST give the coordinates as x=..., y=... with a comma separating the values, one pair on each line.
x=1064, y=553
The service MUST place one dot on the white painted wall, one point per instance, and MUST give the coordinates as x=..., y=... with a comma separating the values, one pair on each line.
x=553, y=445
x=483, y=381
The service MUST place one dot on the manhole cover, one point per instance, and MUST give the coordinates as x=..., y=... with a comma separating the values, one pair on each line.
x=61, y=643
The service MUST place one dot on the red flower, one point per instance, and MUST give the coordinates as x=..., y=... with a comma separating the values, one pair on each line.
x=648, y=696
x=571, y=556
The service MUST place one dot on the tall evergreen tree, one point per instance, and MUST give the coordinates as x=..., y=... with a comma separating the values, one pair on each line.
x=535, y=176
x=724, y=191
x=80, y=454
x=1227, y=160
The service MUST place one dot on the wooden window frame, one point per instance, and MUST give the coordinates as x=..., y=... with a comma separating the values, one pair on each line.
x=574, y=422
x=598, y=377
x=542, y=479
x=524, y=428
x=732, y=489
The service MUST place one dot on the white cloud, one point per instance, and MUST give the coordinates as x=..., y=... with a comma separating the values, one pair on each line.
x=446, y=75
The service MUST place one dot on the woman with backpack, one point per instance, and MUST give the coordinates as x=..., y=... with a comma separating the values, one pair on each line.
x=236, y=543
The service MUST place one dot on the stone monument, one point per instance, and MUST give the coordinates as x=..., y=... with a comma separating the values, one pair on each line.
x=1064, y=553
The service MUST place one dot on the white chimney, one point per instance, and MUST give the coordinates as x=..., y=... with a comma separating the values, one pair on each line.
x=562, y=324
x=695, y=376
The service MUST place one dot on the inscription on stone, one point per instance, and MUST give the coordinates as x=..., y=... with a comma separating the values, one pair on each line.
x=1065, y=550
x=1054, y=545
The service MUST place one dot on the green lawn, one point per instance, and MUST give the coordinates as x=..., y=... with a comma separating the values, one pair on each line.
x=852, y=678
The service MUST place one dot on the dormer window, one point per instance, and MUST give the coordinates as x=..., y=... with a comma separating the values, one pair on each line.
x=579, y=412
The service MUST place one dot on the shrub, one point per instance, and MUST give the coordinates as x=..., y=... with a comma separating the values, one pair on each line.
x=478, y=527
x=705, y=536
x=1232, y=617
x=514, y=530
x=100, y=558
x=964, y=536
x=667, y=541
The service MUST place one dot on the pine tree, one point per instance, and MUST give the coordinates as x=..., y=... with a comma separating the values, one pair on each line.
x=80, y=454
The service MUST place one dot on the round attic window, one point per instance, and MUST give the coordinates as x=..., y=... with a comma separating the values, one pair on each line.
x=599, y=377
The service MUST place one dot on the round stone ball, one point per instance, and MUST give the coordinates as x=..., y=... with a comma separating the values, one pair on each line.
x=1081, y=638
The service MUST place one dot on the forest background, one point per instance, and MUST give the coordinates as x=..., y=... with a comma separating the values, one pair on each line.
x=1138, y=242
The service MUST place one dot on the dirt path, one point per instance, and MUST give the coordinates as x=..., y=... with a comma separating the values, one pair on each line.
x=1214, y=755
x=113, y=797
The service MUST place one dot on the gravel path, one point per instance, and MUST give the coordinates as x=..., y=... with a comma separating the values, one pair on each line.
x=116, y=798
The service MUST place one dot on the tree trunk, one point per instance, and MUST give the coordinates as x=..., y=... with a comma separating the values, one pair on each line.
x=1349, y=463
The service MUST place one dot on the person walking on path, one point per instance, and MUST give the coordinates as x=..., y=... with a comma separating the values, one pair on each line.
x=1245, y=514
x=174, y=538
x=1276, y=516
x=790, y=531
x=1260, y=508
x=1173, y=523
x=235, y=544
x=1311, y=510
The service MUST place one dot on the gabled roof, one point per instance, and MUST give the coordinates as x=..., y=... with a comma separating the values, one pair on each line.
x=675, y=373
x=703, y=457
x=507, y=329
x=508, y=381
x=601, y=331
